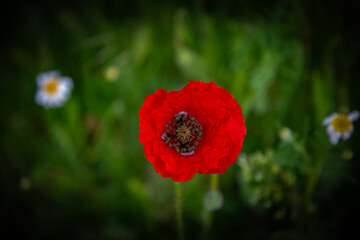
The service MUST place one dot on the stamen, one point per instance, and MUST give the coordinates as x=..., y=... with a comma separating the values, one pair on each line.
x=341, y=123
x=182, y=134
x=51, y=86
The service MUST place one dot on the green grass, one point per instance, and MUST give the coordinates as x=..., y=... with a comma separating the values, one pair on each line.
x=89, y=176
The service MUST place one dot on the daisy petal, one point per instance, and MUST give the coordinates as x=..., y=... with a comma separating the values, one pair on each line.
x=334, y=138
x=329, y=119
x=330, y=130
x=354, y=115
x=347, y=135
x=67, y=82
x=54, y=73
x=42, y=77
x=38, y=97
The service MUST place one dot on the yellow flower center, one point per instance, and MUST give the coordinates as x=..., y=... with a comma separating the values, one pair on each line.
x=51, y=86
x=183, y=133
x=341, y=123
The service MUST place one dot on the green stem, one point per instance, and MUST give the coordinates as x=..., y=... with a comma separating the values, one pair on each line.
x=214, y=181
x=179, y=214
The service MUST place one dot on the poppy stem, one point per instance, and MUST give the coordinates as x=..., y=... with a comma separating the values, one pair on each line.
x=214, y=181
x=179, y=214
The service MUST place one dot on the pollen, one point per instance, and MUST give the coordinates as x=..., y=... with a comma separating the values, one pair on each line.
x=183, y=133
x=51, y=86
x=341, y=123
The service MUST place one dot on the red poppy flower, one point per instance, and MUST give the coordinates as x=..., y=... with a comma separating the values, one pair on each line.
x=198, y=129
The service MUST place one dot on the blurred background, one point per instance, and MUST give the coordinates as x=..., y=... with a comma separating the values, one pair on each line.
x=79, y=171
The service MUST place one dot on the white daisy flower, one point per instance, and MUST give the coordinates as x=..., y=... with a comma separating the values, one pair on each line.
x=54, y=89
x=285, y=134
x=340, y=125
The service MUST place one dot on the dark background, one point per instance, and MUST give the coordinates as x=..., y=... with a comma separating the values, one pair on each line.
x=328, y=32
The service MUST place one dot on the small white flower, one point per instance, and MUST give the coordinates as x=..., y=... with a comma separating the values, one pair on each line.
x=213, y=200
x=340, y=125
x=285, y=134
x=53, y=89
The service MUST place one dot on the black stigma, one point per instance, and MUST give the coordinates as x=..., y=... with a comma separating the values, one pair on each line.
x=183, y=133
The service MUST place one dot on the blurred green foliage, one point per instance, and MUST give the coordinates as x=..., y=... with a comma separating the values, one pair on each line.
x=79, y=171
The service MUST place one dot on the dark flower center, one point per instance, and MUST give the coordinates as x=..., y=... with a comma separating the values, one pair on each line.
x=183, y=133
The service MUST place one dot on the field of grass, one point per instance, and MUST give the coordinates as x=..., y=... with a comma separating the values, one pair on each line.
x=79, y=171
